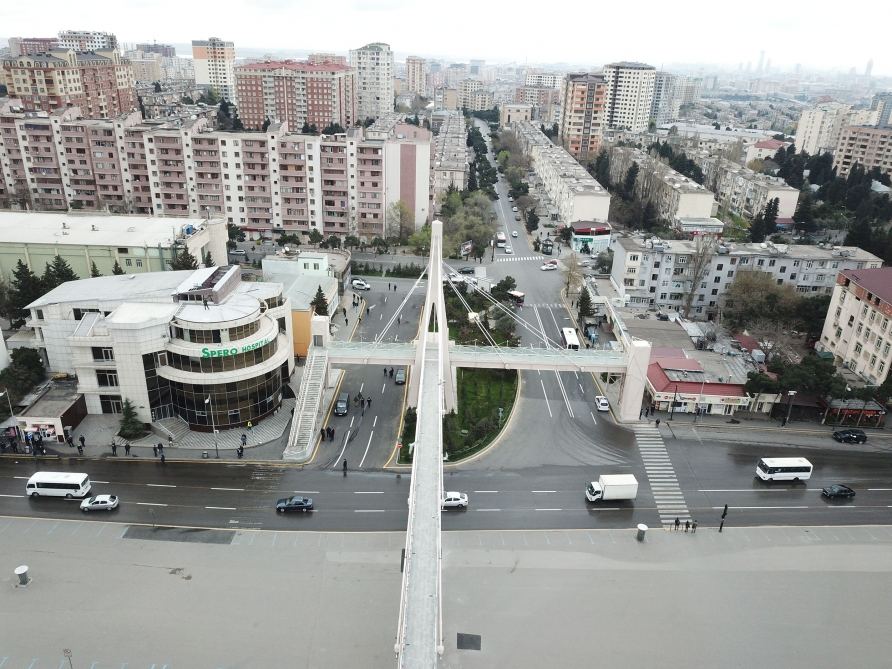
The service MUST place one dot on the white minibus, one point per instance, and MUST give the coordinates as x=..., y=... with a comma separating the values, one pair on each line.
x=58, y=484
x=783, y=469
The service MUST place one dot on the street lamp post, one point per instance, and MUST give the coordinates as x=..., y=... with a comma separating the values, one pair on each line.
x=213, y=425
x=790, y=394
x=15, y=423
x=672, y=406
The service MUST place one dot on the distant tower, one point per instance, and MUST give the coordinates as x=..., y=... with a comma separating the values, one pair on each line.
x=798, y=69
x=767, y=65
x=759, y=70
x=868, y=68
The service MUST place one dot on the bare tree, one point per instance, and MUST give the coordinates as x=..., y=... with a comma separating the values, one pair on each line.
x=572, y=273
x=698, y=265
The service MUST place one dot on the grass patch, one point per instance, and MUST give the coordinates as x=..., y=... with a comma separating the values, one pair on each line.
x=481, y=392
x=407, y=271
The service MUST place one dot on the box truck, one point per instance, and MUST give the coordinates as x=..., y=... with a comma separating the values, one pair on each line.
x=612, y=487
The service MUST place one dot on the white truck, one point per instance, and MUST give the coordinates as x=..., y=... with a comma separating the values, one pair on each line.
x=612, y=487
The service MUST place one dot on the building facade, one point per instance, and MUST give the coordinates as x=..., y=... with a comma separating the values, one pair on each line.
x=87, y=40
x=99, y=83
x=214, y=63
x=543, y=79
x=858, y=327
x=630, y=94
x=296, y=93
x=509, y=114
x=656, y=273
x=583, y=115
x=450, y=160
x=865, y=145
x=742, y=191
x=199, y=346
x=163, y=50
x=416, y=75
x=819, y=127
x=374, y=79
x=274, y=180
x=28, y=46
x=666, y=100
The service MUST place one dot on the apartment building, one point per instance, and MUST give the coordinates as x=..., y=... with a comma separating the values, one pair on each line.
x=819, y=128
x=673, y=195
x=214, y=63
x=450, y=160
x=654, y=273
x=163, y=50
x=146, y=66
x=99, y=83
x=509, y=114
x=858, y=327
x=869, y=146
x=543, y=79
x=583, y=114
x=882, y=105
x=416, y=75
x=666, y=100
x=745, y=192
x=275, y=180
x=765, y=149
x=28, y=46
x=87, y=40
x=326, y=59
x=374, y=79
x=570, y=193
x=466, y=90
x=296, y=93
x=630, y=94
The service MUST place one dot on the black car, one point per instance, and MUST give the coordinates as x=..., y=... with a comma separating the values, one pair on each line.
x=296, y=503
x=850, y=436
x=837, y=490
x=466, y=270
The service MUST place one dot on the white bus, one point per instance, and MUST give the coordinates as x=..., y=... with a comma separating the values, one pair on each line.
x=568, y=335
x=58, y=484
x=784, y=469
x=500, y=239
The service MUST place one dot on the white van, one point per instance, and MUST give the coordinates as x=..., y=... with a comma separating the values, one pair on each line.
x=58, y=484
x=784, y=469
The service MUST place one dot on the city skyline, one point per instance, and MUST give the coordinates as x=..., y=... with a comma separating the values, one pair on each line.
x=678, y=38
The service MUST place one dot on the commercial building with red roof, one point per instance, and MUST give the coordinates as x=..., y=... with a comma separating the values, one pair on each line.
x=682, y=385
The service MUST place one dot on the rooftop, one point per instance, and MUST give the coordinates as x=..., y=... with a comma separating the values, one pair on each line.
x=294, y=66
x=58, y=396
x=147, y=287
x=877, y=281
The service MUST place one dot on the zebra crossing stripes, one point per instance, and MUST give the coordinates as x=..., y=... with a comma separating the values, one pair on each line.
x=661, y=475
x=518, y=258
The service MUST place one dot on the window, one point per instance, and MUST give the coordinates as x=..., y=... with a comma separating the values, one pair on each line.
x=106, y=379
x=128, y=262
x=100, y=353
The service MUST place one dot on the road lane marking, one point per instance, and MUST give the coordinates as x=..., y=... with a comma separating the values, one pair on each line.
x=487, y=509
x=550, y=415
x=95, y=481
x=763, y=507
x=11, y=495
x=543, y=490
x=221, y=508
x=150, y=504
x=367, y=446
x=548, y=509
x=343, y=450
x=593, y=417
x=755, y=490
x=374, y=423
x=160, y=485
x=479, y=491
x=24, y=478
x=233, y=489
x=368, y=492
x=306, y=492
x=383, y=385
x=361, y=386
x=368, y=510
x=352, y=418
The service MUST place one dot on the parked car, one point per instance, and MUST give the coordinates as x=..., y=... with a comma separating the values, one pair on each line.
x=514, y=233
x=510, y=199
x=601, y=403
x=455, y=500
x=466, y=270
x=359, y=283
x=238, y=252
x=513, y=208
x=837, y=490
x=547, y=267
x=850, y=436
x=400, y=377
x=296, y=503
x=100, y=503
x=509, y=250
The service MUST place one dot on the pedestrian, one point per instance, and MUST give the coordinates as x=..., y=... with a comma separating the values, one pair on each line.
x=127, y=448
x=687, y=525
x=244, y=439
x=250, y=426
x=322, y=434
x=346, y=321
x=367, y=311
x=394, y=288
x=399, y=319
x=162, y=458
x=677, y=523
x=658, y=422
x=345, y=465
x=80, y=450
x=391, y=372
x=345, y=312
x=368, y=402
x=82, y=440
x=388, y=285
x=154, y=450
x=114, y=448
x=331, y=434
x=160, y=447
x=385, y=371
x=693, y=527
x=170, y=441
x=70, y=441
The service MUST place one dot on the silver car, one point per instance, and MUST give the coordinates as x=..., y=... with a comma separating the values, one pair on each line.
x=100, y=503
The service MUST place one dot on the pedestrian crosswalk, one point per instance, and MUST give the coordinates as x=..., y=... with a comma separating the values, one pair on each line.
x=545, y=305
x=518, y=258
x=661, y=475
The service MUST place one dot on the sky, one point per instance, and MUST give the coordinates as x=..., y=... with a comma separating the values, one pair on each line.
x=577, y=32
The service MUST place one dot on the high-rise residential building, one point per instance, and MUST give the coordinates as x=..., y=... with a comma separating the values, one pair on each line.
x=326, y=59
x=856, y=329
x=87, y=40
x=416, y=75
x=689, y=90
x=819, y=127
x=261, y=181
x=466, y=90
x=546, y=79
x=546, y=102
x=664, y=108
x=214, y=62
x=630, y=94
x=865, y=145
x=476, y=67
x=297, y=93
x=146, y=66
x=882, y=105
x=583, y=114
x=25, y=46
x=374, y=79
x=99, y=83
x=165, y=50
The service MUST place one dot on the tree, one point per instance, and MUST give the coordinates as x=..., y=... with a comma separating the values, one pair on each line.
x=804, y=216
x=400, y=221
x=208, y=260
x=572, y=272
x=315, y=236
x=532, y=222
x=309, y=129
x=649, y=216
x=94, y=271
x=319, y=303
x=184, y=260
x=629, y=181
x=117, y=268
x=266, y=124
x=56, y=273
x=601, y=168
x=130, y=427
x=333, y=242
x=500, y=290
x=333, y=129
x=697, y=267
x=26, y=287
x=157, y=86
x=351, y=241
x=586, y=308
x=769, y=216
x=757, y=229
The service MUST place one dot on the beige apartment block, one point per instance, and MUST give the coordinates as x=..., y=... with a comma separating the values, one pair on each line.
x=374, y=79
x=214, y=62
x=583, y=115
x=630, y=94
x=868, y=146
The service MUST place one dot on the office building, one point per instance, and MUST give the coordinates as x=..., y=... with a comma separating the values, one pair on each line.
x=99, y=83
x=163, y=50
x=214, y=63
x=630, y=94
x=87, y=40
x=146, y=66
x=374, y=79
x=865, y=145
x=296, y=93
x=416, y=75
x=583, y=114
x=653, y=273
x=857, y=328
x=199, y=346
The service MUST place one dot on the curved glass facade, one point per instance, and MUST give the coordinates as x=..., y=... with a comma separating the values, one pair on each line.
x=224, y=363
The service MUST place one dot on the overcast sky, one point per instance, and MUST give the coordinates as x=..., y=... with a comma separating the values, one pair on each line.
x=661, y=33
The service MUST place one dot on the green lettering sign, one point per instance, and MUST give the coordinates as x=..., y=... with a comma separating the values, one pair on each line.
x=223, y=352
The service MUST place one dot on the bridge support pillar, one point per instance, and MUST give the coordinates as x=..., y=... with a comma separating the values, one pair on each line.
x=634, y=381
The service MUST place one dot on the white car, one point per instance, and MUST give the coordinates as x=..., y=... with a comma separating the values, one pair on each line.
x=510, y=199
x=513, y=208
x=455, y=500
x=100, y=503
x=360, y=284
x=514, y=233
x=509, y=250
x=601, y=403
x=547, y=267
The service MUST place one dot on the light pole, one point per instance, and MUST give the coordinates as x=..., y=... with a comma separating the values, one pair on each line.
x=672, y=406
x=213, y=425
x=700, y=399
x=790, y=394
x=15, y=423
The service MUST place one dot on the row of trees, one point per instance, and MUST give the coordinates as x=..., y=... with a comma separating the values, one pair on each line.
x=677, y=160
x=501, y=326
x=482, y=175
